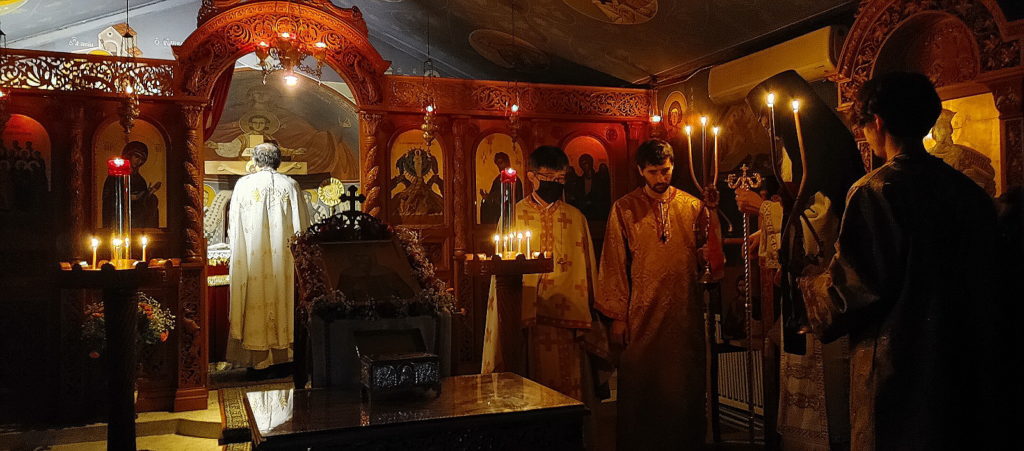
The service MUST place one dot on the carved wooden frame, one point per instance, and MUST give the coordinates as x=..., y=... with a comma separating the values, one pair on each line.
x=1000, y=55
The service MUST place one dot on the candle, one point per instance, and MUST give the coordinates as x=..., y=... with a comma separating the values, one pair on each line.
x=145, y=241
x=528, y=240
x=95, y=245
x=115, y=249
x=497, y=244
x=704, y=147
x=714, y=161
x=519, y=243
x=771, y=100
x=127, y=249
x=689, y=152
x=800, y=143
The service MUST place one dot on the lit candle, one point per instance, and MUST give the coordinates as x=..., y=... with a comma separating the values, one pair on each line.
x=800, y=142
x=95, y=245
x=528, y=240
x=145, y=242
x=115, y=248
x=704, y=148
x=771, y=100
x=519, y=243
x=689, y=152
x=714, y=157
x=127, y=249
x=497, y=244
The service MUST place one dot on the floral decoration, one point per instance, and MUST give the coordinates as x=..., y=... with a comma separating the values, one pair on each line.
x=155, y=324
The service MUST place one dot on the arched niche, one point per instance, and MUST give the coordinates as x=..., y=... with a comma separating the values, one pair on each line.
x=588, y=182
x=25, y=165
x=967, y=51
x=146, y=147
x=416, y=189
x=492, y=152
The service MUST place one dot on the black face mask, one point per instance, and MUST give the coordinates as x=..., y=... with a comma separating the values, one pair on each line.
x=550, y=191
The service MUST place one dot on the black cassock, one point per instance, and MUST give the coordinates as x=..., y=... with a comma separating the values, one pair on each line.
x=912, y=285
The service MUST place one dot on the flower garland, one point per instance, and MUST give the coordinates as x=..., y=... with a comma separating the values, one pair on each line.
x=434, y=297
x=155, y=324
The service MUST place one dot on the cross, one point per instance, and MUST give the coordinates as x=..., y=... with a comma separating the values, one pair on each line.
x=563, y=263
x=352, y=198
x=580, y=287
x=562, y=218
x=562, y=306
x=547, y=281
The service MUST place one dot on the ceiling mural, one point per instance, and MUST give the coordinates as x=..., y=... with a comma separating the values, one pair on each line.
x=592, y=42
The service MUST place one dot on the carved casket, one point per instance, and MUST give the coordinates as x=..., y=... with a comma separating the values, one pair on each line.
x=395, y=363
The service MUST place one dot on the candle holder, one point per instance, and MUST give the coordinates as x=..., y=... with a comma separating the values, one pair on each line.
x=119, y=286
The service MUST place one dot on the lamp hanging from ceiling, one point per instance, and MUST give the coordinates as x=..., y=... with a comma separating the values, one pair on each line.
x=655, y=113
x=429, y=106
x=287, y=50
x=513, y=105
x=124, y=80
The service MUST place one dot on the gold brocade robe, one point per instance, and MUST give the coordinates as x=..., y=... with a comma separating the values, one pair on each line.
x=651, y=284
x=557, y=305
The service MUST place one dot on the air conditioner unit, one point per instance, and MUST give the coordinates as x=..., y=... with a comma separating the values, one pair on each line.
x=812, y=55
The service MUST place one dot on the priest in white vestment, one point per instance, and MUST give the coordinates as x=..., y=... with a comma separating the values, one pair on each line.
x=267, y=208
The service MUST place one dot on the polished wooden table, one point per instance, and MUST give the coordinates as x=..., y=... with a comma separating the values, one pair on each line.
x=501, y=411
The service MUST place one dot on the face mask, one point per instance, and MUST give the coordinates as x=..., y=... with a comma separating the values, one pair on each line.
x=550, y=191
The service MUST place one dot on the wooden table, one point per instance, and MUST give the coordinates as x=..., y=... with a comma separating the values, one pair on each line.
x=488, y=411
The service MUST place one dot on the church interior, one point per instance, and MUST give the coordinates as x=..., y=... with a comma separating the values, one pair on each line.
x=389, y=224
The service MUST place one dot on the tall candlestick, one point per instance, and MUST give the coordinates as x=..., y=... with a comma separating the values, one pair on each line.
x=689, y=152
x=529, y=238
x=704, y=148
x=497, y=244
x=145, y=242
x=127, y=250
x=95, y=245
x=519, y=243
x=714, y=157
x=115, y=250
x=800, y=144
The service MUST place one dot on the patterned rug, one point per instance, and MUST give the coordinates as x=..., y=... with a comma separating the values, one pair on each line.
x=234, y=422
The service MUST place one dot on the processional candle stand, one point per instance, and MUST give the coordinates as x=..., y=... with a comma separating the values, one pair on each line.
x=513, y=256
x=747, y=180
x=119, y=278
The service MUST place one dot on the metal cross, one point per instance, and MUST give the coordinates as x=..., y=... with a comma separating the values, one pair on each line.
x=352, y=198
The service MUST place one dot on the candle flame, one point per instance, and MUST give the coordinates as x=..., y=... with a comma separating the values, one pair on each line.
x=291, y=80
x=519, y=236
x=286, y=35
x=688, y=129
x=117, y=242
x=771, y=99
x=118, y=161
x=320, y=45
x=95, y=243
x=515, y=107
x=497, y=238
x=430, y=108
x=145, y=240
x=796, y=106
x=715, y=130
x=703, y=121
x=656, y=118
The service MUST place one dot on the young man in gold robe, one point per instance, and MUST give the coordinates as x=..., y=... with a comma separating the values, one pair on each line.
x=648, y=287
x=557, y=305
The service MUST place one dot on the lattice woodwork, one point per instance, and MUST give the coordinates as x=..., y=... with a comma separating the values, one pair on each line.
x=493, y=98
x=54, y=71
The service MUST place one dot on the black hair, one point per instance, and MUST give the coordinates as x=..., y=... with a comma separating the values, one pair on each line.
x=548, y=157
x=906, y=102
x=654, y=153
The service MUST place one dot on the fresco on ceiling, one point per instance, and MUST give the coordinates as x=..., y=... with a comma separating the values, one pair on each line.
x=24, y=165
x=509, y=52
x=417, y=180
x=622, y=12
x=588, y=180
x=312, y=123
x=494, y=154
x=146, y=149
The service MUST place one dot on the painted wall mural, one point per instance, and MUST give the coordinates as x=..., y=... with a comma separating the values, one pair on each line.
x=24, y=165
x=588, y=184
x=146, y=148
x=314, y=124
x=417, y=180
x=495, y=153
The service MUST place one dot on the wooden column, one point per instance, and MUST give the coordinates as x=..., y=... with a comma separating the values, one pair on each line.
x=77, y=215
x=371, y=184
x=191, y=393
x=1008, y=95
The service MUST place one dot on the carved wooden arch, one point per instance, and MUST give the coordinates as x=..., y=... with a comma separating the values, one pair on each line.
x=226, y=33
x=878, y=20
